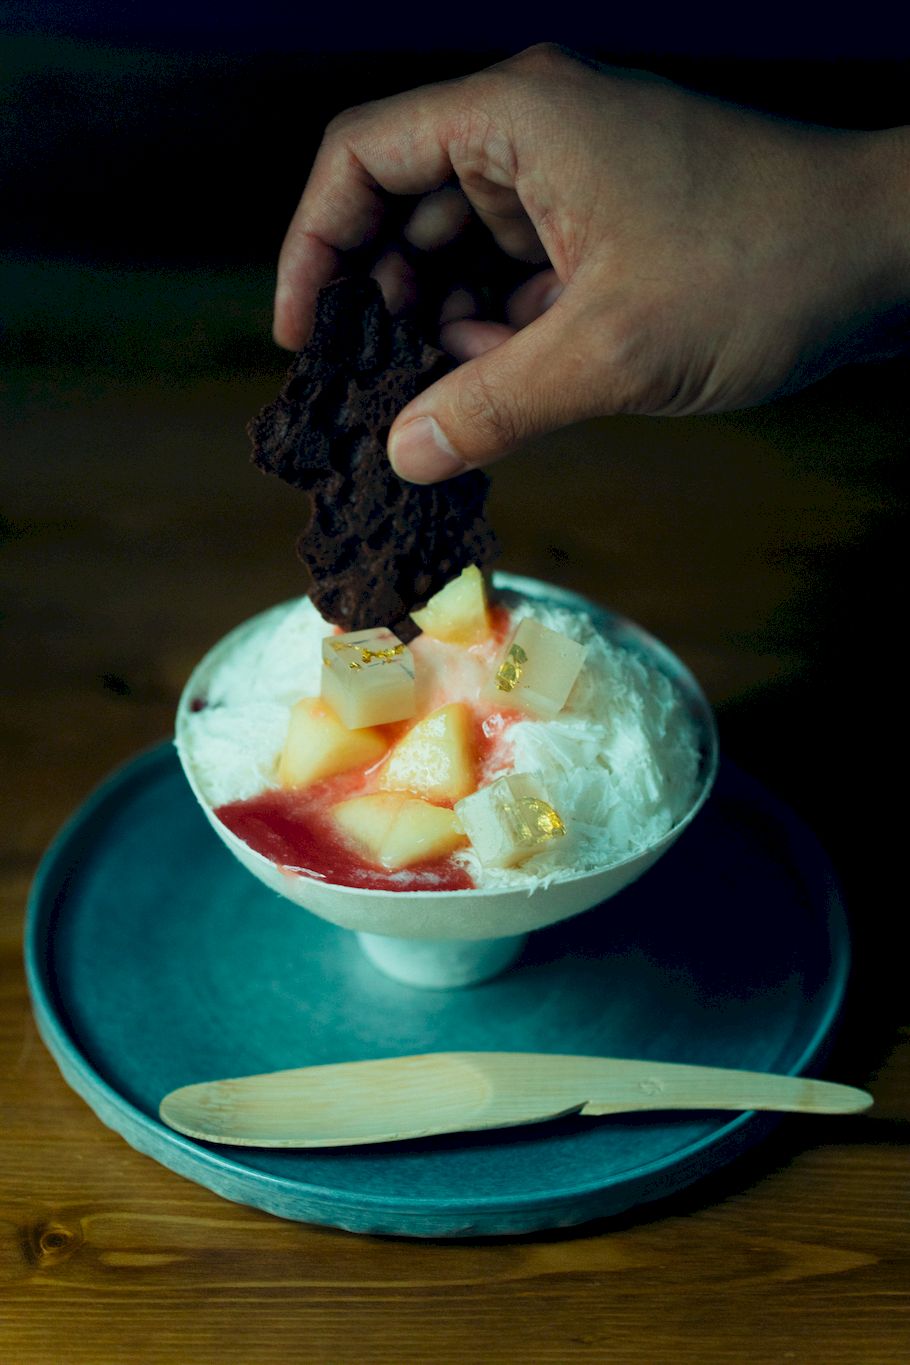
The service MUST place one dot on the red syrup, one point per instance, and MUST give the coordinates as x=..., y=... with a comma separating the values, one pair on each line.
x=293, y=828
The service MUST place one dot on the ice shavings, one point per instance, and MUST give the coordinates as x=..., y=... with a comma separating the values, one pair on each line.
x=234, y=749
x=620, y=763
x=279, y=659
x=234, y=740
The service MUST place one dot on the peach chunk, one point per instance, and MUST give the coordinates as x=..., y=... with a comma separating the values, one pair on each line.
x=435, y=759
x=395, y=830
x=458, y=612
x=318, y=745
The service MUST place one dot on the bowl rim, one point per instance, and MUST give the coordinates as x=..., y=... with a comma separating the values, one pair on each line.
x=620, y=629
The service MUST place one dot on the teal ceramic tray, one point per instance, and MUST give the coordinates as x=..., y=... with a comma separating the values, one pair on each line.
x=155, y=960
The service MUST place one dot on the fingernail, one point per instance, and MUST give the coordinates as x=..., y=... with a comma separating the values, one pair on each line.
x=551, y=296
x=283, y=318
x=421, y=452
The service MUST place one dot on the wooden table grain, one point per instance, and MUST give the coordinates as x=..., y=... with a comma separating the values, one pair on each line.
x=764, y=549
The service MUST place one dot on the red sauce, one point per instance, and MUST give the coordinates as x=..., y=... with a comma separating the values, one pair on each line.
x=294, y=830
x=500, y=623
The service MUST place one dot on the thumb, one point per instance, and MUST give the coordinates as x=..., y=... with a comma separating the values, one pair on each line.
x=537, y=380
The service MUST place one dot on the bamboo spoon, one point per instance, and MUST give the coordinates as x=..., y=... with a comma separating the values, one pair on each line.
x=395, y=1098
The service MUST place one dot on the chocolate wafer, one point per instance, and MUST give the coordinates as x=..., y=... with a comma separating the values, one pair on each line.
x=376, y=547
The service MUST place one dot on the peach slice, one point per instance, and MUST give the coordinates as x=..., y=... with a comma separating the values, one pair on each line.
x=396, y=831
x=318, y=745
x=457, y=613
x=435, y=759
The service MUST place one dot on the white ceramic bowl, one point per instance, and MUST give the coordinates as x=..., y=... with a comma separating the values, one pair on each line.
x=446, y=938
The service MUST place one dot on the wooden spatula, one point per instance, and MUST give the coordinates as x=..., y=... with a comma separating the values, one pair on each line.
x=394, y=1098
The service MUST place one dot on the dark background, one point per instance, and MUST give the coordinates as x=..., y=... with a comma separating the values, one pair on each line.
x=151, y=158
x=138, y=137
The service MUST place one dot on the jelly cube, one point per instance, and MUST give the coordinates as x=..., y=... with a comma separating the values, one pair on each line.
x=537, y=671
x=509, y=821
x=368, y=677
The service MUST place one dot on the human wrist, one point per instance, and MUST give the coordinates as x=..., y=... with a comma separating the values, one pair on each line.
x=896, y=147
x=868, y=203
x=884, y=191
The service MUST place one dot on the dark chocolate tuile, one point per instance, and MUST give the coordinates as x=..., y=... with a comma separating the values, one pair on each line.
x=376, y=547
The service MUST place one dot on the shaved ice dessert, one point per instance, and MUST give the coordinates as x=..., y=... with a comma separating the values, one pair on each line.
x=505, y=747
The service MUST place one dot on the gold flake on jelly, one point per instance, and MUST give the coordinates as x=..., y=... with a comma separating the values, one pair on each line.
x=368, y=677
x=508, y=674
x=537, y=671
x=509, y=821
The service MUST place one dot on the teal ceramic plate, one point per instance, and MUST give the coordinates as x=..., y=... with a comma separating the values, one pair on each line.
x=155, y=960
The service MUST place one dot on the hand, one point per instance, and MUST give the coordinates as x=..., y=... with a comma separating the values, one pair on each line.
x=693, y=256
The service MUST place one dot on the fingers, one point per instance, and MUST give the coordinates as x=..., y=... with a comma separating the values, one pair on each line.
x=391, y=146
x=496, y=204
x=534, y=297
x=411, y=144
x=337, y=213
x=534, y=381
x=467, y=338
x=461, y=303
x=397, y=281
x=306, y=264
x=438, y=219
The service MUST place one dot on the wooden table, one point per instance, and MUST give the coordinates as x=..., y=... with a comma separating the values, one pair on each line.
x=763, y=548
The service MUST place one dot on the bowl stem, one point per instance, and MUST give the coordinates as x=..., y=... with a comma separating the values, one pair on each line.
x=441, y=964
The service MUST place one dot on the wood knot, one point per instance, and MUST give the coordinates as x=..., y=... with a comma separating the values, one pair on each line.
x=52, y=1242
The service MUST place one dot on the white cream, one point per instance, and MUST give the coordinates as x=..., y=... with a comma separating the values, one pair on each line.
x=619, y=763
